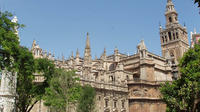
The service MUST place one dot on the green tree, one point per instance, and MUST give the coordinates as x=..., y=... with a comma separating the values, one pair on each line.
x=184, y=93
x=29, y=92
x=25, y=79
x=86, y=102
x=17, y=59
x=9, y=44
x=64, y=90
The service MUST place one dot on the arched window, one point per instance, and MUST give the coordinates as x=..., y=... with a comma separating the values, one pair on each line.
x=174, y=36
x=112, y=78
x=170, y=19
x=172, y=54
x=163, y=39
x=123, y=103
x=106, y=103
x=170, y=36
x=115, y=104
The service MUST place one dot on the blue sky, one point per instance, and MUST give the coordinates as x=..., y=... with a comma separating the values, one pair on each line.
x=60, y=26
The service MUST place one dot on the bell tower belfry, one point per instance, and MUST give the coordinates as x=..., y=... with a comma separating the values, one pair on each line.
x=174, y=39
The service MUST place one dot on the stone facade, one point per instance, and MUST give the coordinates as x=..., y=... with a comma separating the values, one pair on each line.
x=122, y=82
x=126, y=83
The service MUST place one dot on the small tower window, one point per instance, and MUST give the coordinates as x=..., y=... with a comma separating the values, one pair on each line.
x=170, y=36
x=172, y=54
x=127, y=78
x=163, y=39
x=106, y=103
x=123, y=105
x=115, y=104
x=177, y=35
x=174, y=36
x=99, y=98
x=170, y=19
x=112, y=78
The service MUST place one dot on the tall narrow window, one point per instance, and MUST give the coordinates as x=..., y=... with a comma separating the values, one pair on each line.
x=106, y=103
x=99, y=98
x=170, y=36
x=163, y=39
x=177, y=36
x=115, y=104
x=112, y=78
x=174, y=36
x=170, y=19
x=123, y=103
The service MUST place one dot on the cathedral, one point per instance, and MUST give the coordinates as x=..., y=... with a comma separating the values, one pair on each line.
x=126, y=83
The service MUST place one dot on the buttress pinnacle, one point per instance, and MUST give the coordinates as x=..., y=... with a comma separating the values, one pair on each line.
x=88, y=42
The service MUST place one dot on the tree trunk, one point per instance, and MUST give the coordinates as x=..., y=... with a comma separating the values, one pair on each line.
x=196, y=101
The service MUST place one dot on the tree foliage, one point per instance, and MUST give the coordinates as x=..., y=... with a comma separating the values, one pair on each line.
x=17, y=59
x=29, y=92
x=25, y=79
x=86, y=102
x=9, y=43
x=184, y=93
x=64, y=90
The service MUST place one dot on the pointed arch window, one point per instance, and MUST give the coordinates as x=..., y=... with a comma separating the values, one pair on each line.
x=115, y=104
x=172, y=54
x=106, y=102
x=170, y=36
x=170, y=19
x=174, y=36
x=163, y=40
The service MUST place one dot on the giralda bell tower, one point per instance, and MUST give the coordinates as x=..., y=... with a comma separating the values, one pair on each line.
x=174, y=37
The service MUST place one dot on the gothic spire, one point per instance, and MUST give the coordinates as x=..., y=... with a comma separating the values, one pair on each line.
x=103, y=56
x=72, y=55
x=87, y=54
x=63, y=58
x=77, y=54
x=87, y=41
